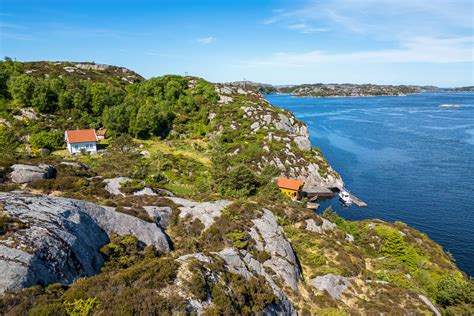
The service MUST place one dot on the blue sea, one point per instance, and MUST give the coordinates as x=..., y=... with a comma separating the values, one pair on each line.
x=407, y=158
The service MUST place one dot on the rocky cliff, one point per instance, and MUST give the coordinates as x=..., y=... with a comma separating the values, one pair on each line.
x=245, y=116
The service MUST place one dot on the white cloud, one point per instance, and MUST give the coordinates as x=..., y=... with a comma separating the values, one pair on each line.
x=414, y=50
x=205, y=40
x=381, y=18
x=306, y=29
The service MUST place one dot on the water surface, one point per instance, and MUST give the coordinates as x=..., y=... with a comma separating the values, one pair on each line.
x=409, y=159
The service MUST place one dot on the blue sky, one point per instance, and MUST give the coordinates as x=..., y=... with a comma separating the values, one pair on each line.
x=278, y=42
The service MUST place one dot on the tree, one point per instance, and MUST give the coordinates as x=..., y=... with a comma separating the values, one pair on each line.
x=9, y=142
x=152, y=120
x=240, y=181
x=102, y=96
x=21, y=88
x=50, y=140
x=394, y=245
x=43, y=98
x=122, y=144
x=116, y=120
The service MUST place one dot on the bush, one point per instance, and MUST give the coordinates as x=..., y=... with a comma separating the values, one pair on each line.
x=240, y=182
x=450, y=291
x=50, y=140
x=81, y=307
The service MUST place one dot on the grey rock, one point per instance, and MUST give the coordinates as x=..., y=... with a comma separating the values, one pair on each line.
x=113, y=185
x=206, y=212
x=283, y=259
x=328, y=225
x=198, y=256
x=27, y=173
x=72, y=164
x=243, y=263
x=160, y=214
x=62, y=240
x=303, y=143
x=313, y=227
x=234, y=263
x=145, y=191
x=335, y=285
x=349, y=238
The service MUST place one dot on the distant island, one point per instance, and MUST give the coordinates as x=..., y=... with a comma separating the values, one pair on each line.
x=344, y=90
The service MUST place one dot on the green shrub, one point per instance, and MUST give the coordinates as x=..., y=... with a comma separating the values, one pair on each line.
x=239, y=182
x=81, y=307
x=132, y=186
x=450, y=291
x=50, y=140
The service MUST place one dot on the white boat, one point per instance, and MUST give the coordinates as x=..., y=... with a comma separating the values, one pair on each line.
x=345, y=197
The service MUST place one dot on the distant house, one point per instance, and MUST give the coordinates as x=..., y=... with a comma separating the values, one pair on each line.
x=100, y=134
x=81, y=140
x=291, y=188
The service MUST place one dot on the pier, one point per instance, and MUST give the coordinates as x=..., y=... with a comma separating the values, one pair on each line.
x=358, y=201
x=313, y=193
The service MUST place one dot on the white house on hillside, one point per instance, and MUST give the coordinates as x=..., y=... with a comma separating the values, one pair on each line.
x=81, y=139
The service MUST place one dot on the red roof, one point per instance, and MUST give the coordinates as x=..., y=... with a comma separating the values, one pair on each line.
x=101, y=132
x=81, y=136
x=290, y=184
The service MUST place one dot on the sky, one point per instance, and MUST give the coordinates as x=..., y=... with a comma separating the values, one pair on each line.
x=424, y=42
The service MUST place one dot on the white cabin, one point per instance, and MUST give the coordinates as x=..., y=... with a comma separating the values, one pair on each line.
x=81, y=140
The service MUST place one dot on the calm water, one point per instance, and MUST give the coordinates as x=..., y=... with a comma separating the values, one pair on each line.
x=409, y=159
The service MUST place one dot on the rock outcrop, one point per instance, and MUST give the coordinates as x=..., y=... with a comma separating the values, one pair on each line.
x=57, y=240
x=272, y=240
x=286, y=141
x=335, y=285
x=27, y=173
x=242, y=263
x=206, y=212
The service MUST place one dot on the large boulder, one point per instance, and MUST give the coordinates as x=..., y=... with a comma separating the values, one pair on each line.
x=27, y=173
x=57, y=240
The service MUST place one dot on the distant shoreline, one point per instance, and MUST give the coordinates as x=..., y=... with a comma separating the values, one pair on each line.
x=363, y=96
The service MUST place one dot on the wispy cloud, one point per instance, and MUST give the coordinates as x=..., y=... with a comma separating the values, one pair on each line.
x=418, y=49
x=205, y=40
x=306, y=29
x=380, y=18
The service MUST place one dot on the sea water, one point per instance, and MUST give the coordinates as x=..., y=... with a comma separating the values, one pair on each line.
x=408, y=158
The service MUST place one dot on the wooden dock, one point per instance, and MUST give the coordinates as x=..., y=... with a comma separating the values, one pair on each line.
x=358, y=201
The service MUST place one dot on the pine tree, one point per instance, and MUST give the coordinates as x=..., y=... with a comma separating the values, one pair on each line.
x=394, y=245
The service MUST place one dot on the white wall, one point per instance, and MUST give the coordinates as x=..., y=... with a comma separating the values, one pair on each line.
x=75, y=148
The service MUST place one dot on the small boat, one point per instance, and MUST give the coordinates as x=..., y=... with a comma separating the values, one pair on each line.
x=345, y=197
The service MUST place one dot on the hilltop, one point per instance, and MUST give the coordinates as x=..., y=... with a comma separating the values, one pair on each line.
x=180, y=212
